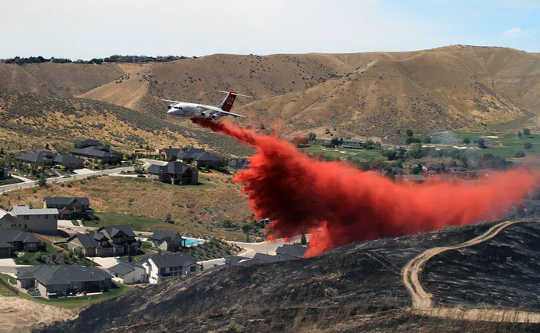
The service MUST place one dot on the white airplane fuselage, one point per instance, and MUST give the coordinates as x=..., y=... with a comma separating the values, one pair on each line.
x=192, y=110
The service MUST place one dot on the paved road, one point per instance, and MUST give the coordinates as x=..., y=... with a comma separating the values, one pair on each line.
x=33, y=183
x=422, y=301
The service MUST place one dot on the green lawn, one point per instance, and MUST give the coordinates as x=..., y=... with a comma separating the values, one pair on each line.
x=32, y=258
x=9, y=181
x=5, y=286
x=138, y=223
x=75, y=303
x=505, y=144
x=342, y=153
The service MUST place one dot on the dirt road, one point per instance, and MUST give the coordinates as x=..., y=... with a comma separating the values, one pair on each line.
x=422, y=301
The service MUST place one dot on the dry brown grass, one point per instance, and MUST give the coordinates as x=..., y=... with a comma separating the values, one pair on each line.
x=197, y=209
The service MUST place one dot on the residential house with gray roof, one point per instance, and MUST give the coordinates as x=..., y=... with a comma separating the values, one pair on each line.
x=175, y=173
x=128, y=273
x=167, y=240
x=69, y=207
x=161, y=266
x=41, y=220
x=111, y=241
x=63, y=280
x=12, y=240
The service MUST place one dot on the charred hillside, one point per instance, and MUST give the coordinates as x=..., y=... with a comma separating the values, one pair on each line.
x=350, y=289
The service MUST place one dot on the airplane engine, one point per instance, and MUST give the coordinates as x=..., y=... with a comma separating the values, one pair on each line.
x=216, y=116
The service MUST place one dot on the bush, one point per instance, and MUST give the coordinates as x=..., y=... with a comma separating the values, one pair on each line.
x=481, y=143
x=466, y=141
x=526, y=132
x=528, y=145
x=412, y=139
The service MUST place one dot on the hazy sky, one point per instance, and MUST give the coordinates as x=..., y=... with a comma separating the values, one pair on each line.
x=86, y=29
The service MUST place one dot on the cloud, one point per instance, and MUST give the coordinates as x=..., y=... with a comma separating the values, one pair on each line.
x=517, y=32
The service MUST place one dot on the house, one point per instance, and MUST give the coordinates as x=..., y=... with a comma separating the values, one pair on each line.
x=5, y=173
x=96, y=152
x=128, y=273
x=42, y=220
x=68, y=161
x=175, y=173
x=69, y=208
x=238, y=163
x=88, y=143
x=63, y=280
x=109, y=241
x=17, y=240
x=99, y=154
x=210, y=161
x=170, y=154
x=166, y=240
x=160, y=266
x=37, y=158
x=47, y=158
x=189, y=154
x=291, y=251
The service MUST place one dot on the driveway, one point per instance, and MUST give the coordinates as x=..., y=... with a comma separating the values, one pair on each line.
x=85, y=174
x=105, y=262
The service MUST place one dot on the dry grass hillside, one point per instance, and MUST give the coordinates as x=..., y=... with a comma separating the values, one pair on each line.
x=430, y=90
x=56, y=79
x=28, y=121
x=378, y=93
x=197, y=209
x=358, y=94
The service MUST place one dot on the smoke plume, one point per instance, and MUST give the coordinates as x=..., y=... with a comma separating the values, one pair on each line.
x=338, y=204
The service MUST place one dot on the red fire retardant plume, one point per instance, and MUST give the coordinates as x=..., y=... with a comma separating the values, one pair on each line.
x=339, y=204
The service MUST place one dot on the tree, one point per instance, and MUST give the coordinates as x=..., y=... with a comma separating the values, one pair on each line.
x=528, y=145
x=303, y=240
x=427, y=140
x=42, y=181
x=466, y=141
x=311, y=136
x=417, y=169
x=519, y=154
x=410, y=133
x=481, y=143
x=246, y=229
x=520, y=135
x=390, y=154
x=526, y=132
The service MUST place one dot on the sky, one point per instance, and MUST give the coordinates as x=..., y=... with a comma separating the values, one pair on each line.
x=85, y=29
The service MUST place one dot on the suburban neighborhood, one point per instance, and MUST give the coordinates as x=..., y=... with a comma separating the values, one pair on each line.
x=57, y=251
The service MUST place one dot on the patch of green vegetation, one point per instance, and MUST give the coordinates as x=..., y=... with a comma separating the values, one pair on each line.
x=10, y=181
x=212, y=249
x=51, y=256
x=138, y=223
x=505, y=145
x=5, y=286
x=72, y=303
x=341, y=153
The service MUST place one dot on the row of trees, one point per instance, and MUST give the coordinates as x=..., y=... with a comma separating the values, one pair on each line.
x=111, y=59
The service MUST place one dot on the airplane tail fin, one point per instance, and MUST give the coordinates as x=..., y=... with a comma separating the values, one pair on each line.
x=228, y=101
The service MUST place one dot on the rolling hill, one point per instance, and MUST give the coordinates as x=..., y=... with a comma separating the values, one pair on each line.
x=357, y=94
x=356, y=288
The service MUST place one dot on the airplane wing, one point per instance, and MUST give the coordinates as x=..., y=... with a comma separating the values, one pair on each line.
x=232, y=114
x=216, y=110
x=170, y=101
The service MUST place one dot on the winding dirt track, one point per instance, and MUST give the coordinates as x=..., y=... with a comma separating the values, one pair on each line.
x=422, y=301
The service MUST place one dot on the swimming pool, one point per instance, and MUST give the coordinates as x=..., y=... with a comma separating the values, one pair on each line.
x=191, y=241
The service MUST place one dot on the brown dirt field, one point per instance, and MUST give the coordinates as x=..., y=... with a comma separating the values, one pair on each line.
x=21, y=315
x=197, y=209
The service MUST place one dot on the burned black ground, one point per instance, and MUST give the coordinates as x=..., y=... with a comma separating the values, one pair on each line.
x=350, y=289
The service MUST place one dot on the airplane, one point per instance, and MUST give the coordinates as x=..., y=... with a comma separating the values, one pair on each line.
x=193, y=110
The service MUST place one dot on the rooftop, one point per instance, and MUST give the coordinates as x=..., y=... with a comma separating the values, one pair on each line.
x=172, y=260
x=25, y=210
x=62, y=274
